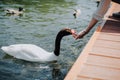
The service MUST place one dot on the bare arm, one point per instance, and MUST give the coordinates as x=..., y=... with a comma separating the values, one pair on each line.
x=98, y=15
x=90, y=26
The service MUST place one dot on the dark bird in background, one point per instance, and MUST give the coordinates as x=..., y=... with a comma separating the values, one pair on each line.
x=98, y=2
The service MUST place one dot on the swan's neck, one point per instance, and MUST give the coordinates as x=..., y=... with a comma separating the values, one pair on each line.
x=57, y=43
x=60, y=35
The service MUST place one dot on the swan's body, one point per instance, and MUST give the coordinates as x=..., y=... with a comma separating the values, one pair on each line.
x=76, y=13
x=13, y=11
x=30, y=52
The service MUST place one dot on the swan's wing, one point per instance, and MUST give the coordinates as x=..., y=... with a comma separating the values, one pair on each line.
x=28, y=52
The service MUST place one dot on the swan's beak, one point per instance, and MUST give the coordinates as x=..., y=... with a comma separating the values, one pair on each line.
x=73, y=32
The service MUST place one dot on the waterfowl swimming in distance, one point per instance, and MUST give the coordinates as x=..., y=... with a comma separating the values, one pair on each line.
x=98, y=2
x=33, y=53
x=13, y=11
x=76, y=13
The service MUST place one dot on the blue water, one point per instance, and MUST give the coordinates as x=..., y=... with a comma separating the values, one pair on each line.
x=39, y=24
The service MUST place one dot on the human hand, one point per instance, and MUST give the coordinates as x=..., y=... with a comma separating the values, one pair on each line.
x=74, y=34
x=80, y=35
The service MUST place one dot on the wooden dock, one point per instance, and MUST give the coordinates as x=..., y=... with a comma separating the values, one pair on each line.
x=100, y=59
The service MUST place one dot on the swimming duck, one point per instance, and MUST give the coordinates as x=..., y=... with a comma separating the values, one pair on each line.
x=33, y=53
x=76, y=13
x=13, y=11
x=98, y=2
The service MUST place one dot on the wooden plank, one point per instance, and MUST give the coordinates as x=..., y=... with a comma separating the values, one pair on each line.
x=104, y=61
x=104, y=51
x=114, y=27
x=86, y=78
x=72, y=74
x=100, y=72
x=107, y=43
x=111, y=37
x=82, y=78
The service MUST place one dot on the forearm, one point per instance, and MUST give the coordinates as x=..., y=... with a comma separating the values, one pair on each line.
x=97, y=16
x=85, y=31
x=91, y=25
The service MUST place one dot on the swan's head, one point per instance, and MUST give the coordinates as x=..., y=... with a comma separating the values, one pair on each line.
x=67, y=31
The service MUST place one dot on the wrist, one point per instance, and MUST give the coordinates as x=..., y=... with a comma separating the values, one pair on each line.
x=85, y=31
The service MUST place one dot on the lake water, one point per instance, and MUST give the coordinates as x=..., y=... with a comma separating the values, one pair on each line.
x=39, y=25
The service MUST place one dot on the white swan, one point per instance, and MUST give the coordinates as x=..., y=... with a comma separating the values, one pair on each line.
x=30, y=52
x=13, y=11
